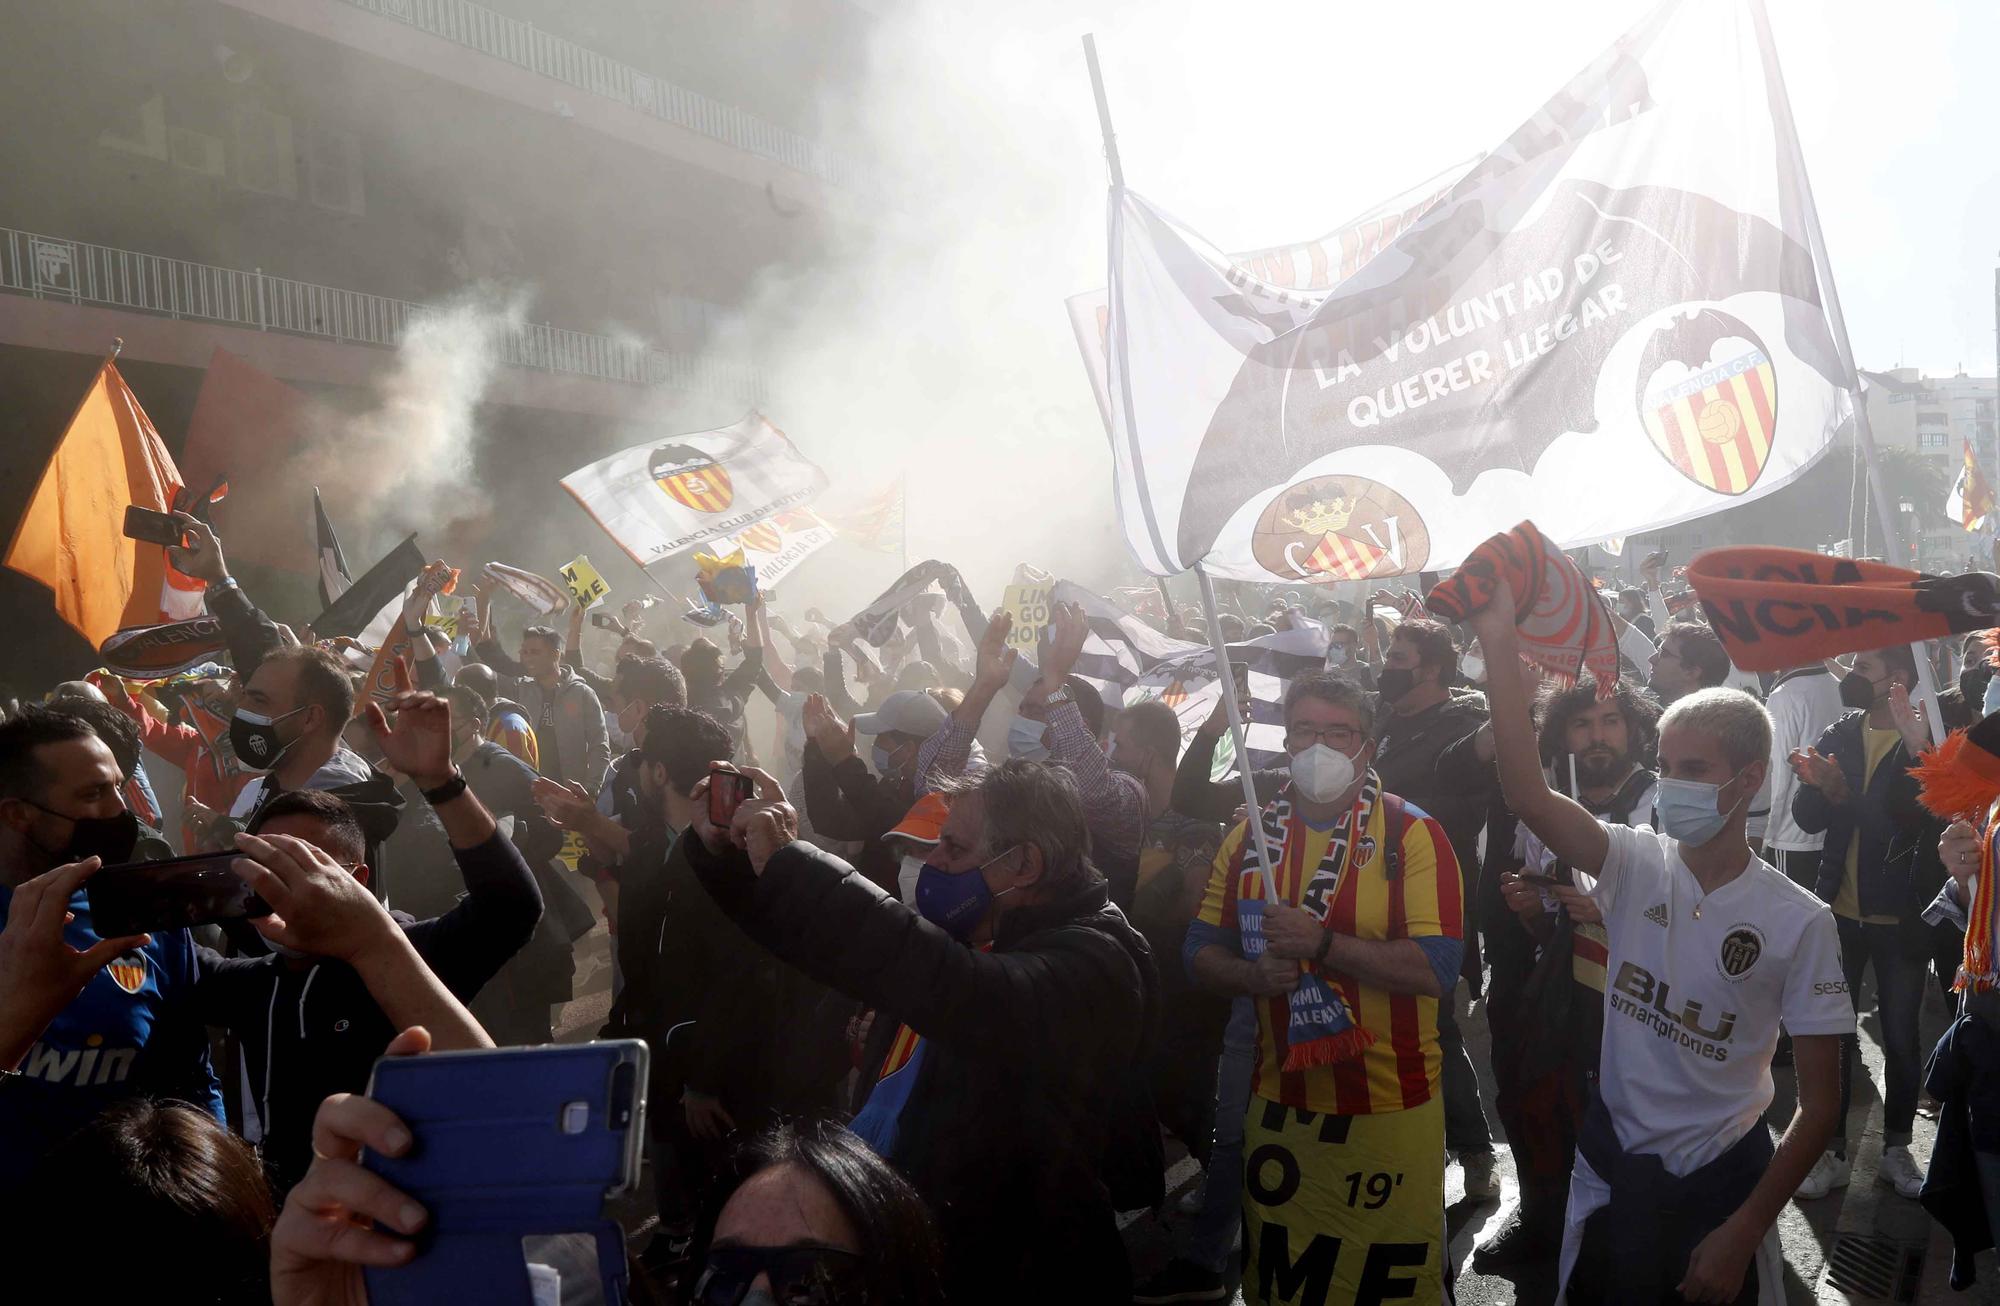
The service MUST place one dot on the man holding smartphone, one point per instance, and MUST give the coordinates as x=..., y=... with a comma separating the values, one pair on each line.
x=313, y=1021
x=84, y=1021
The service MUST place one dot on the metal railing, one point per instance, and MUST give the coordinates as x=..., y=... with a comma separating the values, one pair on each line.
x=50, y=267
x=521, y=43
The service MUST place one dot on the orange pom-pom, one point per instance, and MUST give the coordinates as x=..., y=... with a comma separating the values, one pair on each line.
x=1957, y=780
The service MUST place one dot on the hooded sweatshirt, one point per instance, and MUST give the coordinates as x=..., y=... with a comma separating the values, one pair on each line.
x=347, y=776
x=313, y=1031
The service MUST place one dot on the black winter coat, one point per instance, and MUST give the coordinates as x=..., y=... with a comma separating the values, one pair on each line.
x=1884, y=815
x=1005, y=1133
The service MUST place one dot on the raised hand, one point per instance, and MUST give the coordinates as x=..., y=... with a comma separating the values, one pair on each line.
x=200, y=554
x=1494, y=625
x=419, y=743
x=1068, y=629
x=317, y=905
x=995, y=663
x=825, y=728
x=1911, y=720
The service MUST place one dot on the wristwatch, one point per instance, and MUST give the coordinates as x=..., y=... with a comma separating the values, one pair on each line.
x=1325, y=946
x=1060, y=697
x=447, y=791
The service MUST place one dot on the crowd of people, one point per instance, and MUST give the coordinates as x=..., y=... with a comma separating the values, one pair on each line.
x=923, y=1013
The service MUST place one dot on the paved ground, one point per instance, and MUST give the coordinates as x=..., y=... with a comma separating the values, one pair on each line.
x=1915, y=1248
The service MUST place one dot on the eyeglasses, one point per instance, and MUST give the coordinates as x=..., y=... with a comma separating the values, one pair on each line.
x=801, y=1275
x=1340, y=738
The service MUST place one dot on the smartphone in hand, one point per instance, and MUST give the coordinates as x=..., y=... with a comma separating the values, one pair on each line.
x=727, y=788
x=149, y=527
x=510, y=1145
x=179, y=893
x=605, y=621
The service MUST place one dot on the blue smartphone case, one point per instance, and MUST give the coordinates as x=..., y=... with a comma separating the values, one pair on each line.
x=509, y=1143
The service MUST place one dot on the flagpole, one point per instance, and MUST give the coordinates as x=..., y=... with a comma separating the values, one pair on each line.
x=680, y=604
x=1103, y=111
x=1251, y=807
x=1788, y=145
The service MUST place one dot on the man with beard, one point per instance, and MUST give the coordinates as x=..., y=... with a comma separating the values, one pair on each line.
x=84, y=1021
x=1856, y=787
x=1546, y=1005
x=1425, y=717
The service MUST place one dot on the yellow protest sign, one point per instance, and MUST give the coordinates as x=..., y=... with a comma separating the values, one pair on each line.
x=585, y=585
x=573, y=849
x=1029, y=605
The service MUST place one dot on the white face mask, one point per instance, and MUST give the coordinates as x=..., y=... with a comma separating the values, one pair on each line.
x=1024, y=739
x=1322, y=774
x=1336, y=655
x=906, y=879
x=1472, y=667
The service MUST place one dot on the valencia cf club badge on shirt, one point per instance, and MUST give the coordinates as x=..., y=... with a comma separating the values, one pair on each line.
x=128, y=972
x=1741, y=948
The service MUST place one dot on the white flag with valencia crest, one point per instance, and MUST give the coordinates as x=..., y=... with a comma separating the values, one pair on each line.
x=1619, y=319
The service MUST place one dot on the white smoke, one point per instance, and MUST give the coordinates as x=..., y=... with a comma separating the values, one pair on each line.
x=405, y=463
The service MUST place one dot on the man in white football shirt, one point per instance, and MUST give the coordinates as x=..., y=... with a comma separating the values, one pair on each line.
x=1677, y=1188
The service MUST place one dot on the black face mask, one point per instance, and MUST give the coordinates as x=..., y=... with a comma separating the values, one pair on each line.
x=1395, y=682
x=1857, y=691
x=1972, y=684
x=254, y=736
x=111, y=839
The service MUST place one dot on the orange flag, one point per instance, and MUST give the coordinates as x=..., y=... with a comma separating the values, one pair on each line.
x=72, y=537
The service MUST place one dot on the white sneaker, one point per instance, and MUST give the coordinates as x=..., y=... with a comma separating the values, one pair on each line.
x=1481, y=1184
x=1899, y=1171
x=1831, y=1171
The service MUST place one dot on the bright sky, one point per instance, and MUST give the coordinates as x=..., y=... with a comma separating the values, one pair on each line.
x=1266, y=121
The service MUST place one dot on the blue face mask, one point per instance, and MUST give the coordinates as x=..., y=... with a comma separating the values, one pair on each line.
x=1690, y=811
x=883, y=762
x=1024, y=740
x=955, y=902
x=1991, y=703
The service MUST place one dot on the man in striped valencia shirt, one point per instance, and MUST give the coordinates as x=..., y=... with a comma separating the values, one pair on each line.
x=1344, y=1178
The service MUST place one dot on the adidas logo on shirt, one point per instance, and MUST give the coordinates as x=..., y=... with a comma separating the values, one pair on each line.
x=1657, y=913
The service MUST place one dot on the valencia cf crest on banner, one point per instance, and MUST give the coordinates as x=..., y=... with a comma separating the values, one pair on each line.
x=1633, y=277
x=1710, y=399
x=761, y=538
x=666, y=496
x=691, y=478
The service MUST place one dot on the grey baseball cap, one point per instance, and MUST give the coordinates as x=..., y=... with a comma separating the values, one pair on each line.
x=906, y=712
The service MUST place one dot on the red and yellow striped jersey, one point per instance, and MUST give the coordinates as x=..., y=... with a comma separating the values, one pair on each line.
x=1400, y=1070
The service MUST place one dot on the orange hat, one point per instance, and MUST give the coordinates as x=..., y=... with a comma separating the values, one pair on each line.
x=923, y=823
